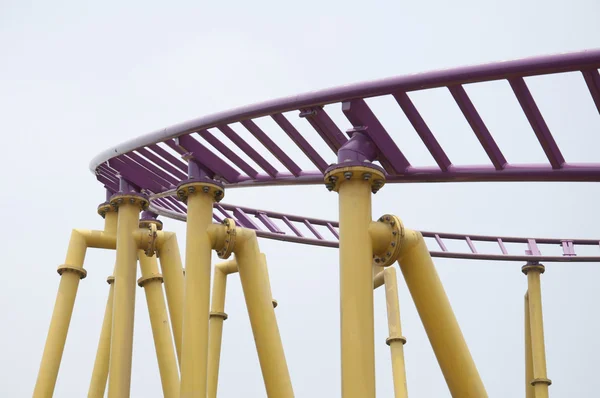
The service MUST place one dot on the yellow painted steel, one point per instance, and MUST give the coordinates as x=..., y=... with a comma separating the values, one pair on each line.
x=170, y=261
x=119, y=378
x=396, y=341
x=254, y=279
x=529, y=391
x=151, y=281
x=540, y=379
x=356, y=290
x=71, y=272
x=194, y=351
x=438, y=319
x=101, y=364
x=217, y=317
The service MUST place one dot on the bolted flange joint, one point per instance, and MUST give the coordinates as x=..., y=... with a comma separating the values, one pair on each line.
x=132, y=198
x=104, y=208
x=194, y=185
x=150, y=249
x=225, y=251
x=337, y=174
x=69, y=268
x=392, y=251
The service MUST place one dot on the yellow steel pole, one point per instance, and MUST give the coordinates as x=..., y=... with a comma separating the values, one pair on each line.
x=151, y=281
x=119, y=379
x=194, y=349
x=396, y=341
x=217, y=317
x=170, y=261
x=257, y=293
x=354, y=186
x=540, y=381
x=100, y=372
x=438, y=319
x=70, y=274
x=529, y=391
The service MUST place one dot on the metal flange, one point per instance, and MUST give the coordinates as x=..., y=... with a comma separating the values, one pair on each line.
x=191, y=186
x=104, y=208
x=119, y=199
x=150, y=249
x=335, y=175
x=225, y=251
x=391, y=253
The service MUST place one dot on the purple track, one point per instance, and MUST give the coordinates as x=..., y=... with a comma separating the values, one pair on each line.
x=153, y=162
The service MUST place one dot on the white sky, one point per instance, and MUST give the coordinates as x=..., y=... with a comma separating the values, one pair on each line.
x=78, y=77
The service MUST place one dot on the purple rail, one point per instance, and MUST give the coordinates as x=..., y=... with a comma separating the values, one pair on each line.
x=286, y=227
x=150, y=164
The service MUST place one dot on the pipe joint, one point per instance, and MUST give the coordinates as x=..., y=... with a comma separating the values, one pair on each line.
x=69, y=268
x=149, y=240
x=386, y=235
x=132, y=198
x=219, y=315
x=195, y=186
x=146, y=279
x=533, y=267
x=392, y=339
x=223, y=237
x=104, y=208
x=541, y=380
x=370, y=173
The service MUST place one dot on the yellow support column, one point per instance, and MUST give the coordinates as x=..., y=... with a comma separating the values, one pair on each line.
x=70, y=274
x=396, y=341
x=129, y=205
x=257, y=292
x=529, y=391
x=170, y=264
x=442, y=328
x=540, y=381
x=100, y=372
x=354, y=185
x=200, y=197
x=151, y=281
x=217, y=317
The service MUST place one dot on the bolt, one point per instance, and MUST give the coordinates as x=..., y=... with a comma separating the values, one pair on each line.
x=132, y=201
x=119, y=201
x=393, y=244
x=226, y=240
x=348, y=175
x=205, y=189
x=367, y=176
x=329, y=187
x=387, y=219
x=394, y=233
x=380, y=219
x=218, y=193
x=388, y=254
x=191, y=189
x=377, y=260
x=333, y=179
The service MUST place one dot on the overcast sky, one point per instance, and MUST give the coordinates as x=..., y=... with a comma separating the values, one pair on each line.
x=77, y=77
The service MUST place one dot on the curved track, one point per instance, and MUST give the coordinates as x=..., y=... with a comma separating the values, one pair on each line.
x=153, y=162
